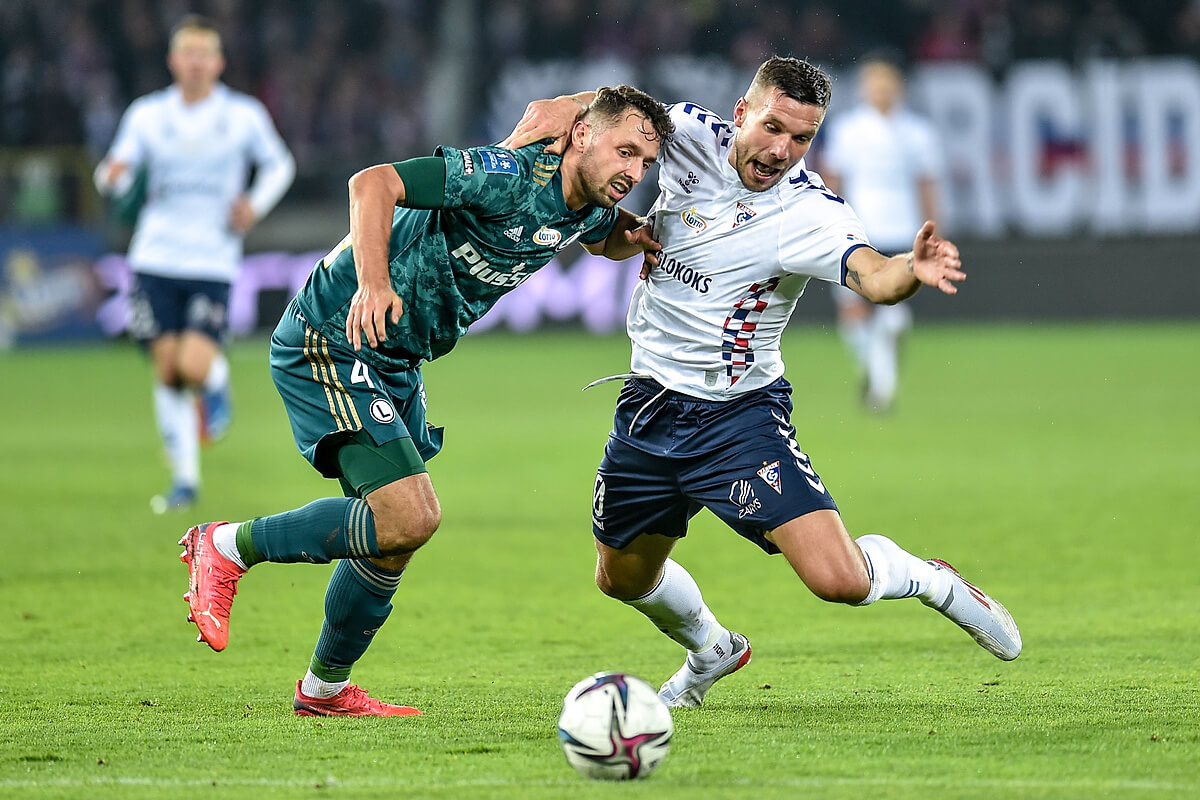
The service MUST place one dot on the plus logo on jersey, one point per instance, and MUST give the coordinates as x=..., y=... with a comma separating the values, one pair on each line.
x=744, y=214
x=481, y=269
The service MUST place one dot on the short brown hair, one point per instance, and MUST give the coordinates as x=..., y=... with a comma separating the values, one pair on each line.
x=612, y=102
x=803, y=82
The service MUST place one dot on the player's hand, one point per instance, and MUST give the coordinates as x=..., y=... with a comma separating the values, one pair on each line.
x=370, y=309
x=643, y=236
x=545, y=119
x=242, y=216
x=935, y=260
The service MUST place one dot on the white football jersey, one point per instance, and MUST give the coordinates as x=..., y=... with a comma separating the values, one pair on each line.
x=708, y=321
x=880, y=159
x=198, y=158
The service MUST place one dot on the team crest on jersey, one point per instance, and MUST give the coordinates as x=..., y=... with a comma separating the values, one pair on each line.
x=744, y=214
x=546, y=237
x=770, y=474
x=495, y=161
x=382, y=411
x=693, y=220
x=515, y=233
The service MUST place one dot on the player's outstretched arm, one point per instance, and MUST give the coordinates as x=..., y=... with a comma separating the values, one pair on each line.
x=549, y=119
x=933, y=261
x=374, y=194
x=630, y=236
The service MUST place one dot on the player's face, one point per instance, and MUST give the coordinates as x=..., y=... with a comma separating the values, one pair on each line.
x=773, y=133
x=195, y=60
x=881, y=86
x=615, y=159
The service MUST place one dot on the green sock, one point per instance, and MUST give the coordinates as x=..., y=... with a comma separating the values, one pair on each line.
x=323, y=530
x=357, y=602
x=245, y=545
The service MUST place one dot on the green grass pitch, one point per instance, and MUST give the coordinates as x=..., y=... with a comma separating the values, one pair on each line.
x=1057, y=466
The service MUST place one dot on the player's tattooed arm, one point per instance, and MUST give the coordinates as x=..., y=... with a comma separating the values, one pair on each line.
x=933, y=261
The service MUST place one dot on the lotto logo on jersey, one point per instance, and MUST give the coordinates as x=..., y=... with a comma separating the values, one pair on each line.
x=495, y=161
x=546, y=237
x=693, y=220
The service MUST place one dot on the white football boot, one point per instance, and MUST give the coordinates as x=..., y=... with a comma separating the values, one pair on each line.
x=687, y=687
x=969, y=607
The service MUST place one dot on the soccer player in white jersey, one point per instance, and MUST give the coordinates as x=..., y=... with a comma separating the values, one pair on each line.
x=887, y=162
x=193, y=144
x=704, y=420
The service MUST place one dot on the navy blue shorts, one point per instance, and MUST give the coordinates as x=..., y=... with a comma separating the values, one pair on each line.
x=669, y=455
x=159, y=306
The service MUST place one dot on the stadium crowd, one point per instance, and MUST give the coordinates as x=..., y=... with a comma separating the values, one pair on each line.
x=341, y=77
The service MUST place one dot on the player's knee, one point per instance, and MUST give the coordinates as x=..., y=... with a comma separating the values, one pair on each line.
x=619, y=586
x=850, y=586
x=403, y=530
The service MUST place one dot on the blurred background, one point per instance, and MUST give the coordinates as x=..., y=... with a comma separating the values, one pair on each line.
x=1071, y=131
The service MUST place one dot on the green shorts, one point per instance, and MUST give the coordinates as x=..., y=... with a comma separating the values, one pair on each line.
x=331, y=395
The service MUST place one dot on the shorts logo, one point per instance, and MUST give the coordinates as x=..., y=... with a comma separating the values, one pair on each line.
x=598, y=503
x=741, y=494
x=546, y=237
x=770, y=474
x=693, y=220
x=382, y=411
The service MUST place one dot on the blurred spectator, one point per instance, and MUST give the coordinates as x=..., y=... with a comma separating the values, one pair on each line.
x=1106, y=33
x=345, y=79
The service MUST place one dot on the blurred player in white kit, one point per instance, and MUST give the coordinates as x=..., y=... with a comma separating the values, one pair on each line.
x=190, y=147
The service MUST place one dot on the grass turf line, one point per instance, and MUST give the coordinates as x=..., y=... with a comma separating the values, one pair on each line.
x=1054, y=465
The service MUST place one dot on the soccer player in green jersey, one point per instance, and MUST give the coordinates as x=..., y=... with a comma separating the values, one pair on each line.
x=433, y=244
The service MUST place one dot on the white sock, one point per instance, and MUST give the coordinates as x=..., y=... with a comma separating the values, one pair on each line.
x=175, y=410
x=218, y=373
x=676, y=608
x=224, y=538
x=896, y=573
x=857, y=336
x=312, y=686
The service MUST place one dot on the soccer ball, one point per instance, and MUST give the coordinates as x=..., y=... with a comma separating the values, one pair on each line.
x=614, y=726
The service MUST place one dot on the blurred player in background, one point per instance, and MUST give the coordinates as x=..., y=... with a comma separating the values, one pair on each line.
x=886, y=161
x=193, y=145
x=407, y=282
x=703, y=419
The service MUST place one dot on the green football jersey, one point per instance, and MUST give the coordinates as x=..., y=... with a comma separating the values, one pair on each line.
x=503, y=218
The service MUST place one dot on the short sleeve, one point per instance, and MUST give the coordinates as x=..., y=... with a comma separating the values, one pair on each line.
x=605, y=221
x=488, y=178
x=819, y=242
